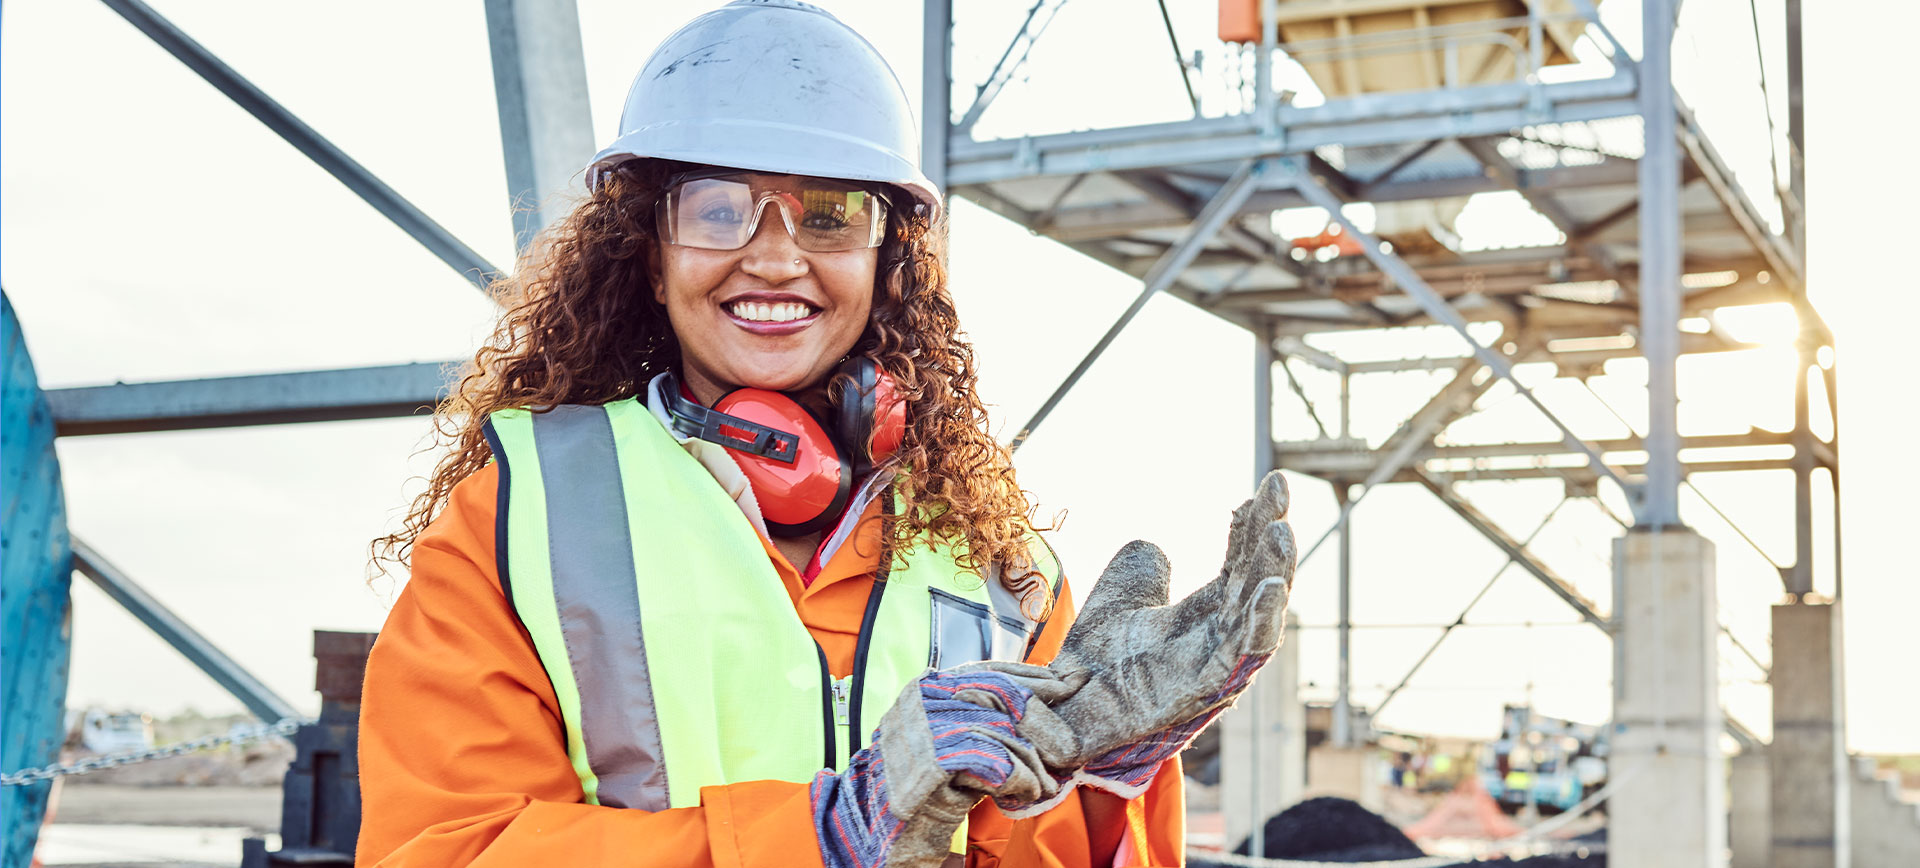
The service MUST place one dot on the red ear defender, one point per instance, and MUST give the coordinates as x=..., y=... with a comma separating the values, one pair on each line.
x=802, y=470
x=799, y=496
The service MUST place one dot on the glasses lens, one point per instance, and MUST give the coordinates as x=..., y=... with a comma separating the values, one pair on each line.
x=723, y=213
x=834, y=218
x=711, y=212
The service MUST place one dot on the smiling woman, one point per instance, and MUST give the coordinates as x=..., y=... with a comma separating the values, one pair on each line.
x=719, y=492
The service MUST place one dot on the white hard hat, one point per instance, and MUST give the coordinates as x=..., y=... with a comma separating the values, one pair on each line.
x=772, y=86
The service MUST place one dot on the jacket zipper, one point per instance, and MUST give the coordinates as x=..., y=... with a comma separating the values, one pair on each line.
x=843, y=697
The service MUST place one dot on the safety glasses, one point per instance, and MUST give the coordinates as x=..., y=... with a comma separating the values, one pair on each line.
x=722, y=211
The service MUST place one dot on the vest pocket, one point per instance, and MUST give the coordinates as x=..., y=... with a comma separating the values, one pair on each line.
x=964, y=631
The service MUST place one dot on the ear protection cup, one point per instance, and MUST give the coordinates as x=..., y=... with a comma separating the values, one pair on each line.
x=801, y=468
x=796, y=497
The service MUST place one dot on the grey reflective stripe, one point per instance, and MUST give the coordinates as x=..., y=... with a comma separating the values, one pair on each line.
x=591, y=552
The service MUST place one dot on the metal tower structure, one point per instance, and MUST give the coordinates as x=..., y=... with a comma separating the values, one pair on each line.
x=1655, y=229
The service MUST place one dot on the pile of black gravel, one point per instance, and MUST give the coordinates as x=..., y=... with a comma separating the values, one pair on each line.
x=1330, y=829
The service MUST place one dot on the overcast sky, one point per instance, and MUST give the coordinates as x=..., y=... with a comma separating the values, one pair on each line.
x=152, y=230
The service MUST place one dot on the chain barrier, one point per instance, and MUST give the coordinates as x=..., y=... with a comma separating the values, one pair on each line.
x=237, y=736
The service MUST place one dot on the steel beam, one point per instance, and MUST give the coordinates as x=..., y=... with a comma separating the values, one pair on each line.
x=264, y=399
x=1483, y=149
x=1313, y=355
x=1042, y=11
x=1111, y=220
x=1579, y=475
x=1660, y=254
x=1333, y=456
x=1516, y=551
x=251, y=691
x=1453, y=400
x=1179, y=58
x=1223, y=206
x=1375, y=119
x=356, y=177
x=1263, y=361
x=1437, y=307
x=1568, y=360
x=1342, y=728
x=546, y=126
x=936, y=90
x=1784, y=261
x=1796, y=130
x=986, y=198
x=1800, y=576
x=1189, y=207
x=1412, y=156
x=1300, y=392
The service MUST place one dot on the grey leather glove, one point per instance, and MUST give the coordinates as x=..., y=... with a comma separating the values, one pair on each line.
x=1134, y=668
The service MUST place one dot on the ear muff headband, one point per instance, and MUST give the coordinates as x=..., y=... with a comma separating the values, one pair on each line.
x=854, y=412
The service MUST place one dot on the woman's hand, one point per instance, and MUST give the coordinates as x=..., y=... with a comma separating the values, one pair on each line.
x=1137, y=679
x=950, y=740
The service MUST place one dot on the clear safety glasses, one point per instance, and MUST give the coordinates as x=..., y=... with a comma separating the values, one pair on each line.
x=722, y=212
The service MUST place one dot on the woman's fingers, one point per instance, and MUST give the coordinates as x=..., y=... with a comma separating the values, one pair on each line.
x=1136, y=578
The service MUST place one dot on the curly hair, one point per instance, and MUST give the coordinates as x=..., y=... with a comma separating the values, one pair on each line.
x=581, y=326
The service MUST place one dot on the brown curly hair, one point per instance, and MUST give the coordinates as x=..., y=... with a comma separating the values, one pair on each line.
x=581, y=326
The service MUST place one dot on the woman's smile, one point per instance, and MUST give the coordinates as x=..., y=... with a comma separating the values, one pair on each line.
x=771, y=314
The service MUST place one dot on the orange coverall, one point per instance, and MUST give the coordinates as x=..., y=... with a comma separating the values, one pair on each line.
x=463, y=760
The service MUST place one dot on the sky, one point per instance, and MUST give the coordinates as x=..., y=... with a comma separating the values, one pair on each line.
x=151, y=230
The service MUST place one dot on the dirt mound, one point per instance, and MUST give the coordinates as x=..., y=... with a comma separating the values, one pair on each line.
x=1330, y=829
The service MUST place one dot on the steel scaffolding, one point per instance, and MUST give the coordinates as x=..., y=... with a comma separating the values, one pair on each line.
x=1652, y=233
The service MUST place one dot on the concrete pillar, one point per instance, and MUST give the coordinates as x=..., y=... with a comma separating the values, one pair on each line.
x=1259, y=779
x=1671, y=810
x=1747, y=797
x=1810, y=794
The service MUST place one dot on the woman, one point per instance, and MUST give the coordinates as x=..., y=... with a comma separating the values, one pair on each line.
x=597, y=658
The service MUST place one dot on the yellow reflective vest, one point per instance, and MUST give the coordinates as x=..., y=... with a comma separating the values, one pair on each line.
x=675, y=653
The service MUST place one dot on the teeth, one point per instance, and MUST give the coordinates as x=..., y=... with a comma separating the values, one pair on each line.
x=758, y=311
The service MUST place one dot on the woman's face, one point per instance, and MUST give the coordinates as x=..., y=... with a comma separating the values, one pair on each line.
x=768, y=315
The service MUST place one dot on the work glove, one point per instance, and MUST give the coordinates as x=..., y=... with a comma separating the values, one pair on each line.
x=1136, y=679
x=950, y=740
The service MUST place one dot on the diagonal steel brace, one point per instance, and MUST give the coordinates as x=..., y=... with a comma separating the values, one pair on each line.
x=1224, y=205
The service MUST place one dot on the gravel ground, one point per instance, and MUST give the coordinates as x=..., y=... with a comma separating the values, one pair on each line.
x=254, y=808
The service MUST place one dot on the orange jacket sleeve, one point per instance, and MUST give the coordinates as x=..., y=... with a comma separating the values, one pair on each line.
x=462, y=756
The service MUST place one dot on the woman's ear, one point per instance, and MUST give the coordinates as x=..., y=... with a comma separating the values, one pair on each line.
x=655, y=275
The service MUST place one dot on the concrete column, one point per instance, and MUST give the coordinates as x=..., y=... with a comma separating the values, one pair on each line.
x=1747, y=820
x=1671, y=811
x=1259, y=780
x=1810, y=795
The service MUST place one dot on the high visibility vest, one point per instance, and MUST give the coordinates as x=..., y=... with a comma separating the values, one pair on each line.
x=676, y=655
